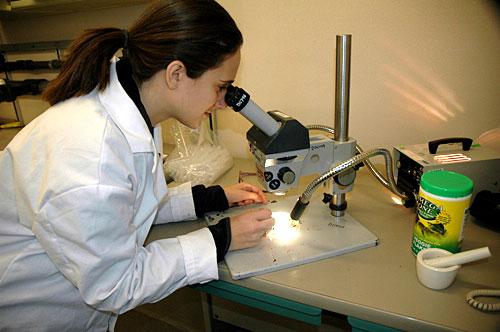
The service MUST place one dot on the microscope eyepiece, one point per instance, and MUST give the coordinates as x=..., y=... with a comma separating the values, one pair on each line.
x=239, y=100
x=236, y=98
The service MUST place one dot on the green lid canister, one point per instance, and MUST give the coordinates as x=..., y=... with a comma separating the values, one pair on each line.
x=442, y=210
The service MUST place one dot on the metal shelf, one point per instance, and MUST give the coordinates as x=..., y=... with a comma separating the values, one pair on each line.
x=35, y=46
x=17, y=9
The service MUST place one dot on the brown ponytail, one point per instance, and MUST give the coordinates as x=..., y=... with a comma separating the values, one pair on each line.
x=86, y=64
x=200, y=33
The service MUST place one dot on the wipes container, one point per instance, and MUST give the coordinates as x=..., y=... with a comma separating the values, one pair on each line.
x=442, y=211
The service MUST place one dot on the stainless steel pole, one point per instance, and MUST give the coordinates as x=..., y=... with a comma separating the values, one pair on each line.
x=342, y=84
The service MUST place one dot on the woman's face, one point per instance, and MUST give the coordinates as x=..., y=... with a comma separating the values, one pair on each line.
x=202, y=95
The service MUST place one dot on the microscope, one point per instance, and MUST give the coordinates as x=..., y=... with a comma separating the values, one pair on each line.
x=283, y=150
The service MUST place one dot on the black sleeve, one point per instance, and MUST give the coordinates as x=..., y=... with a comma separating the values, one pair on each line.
x=222, y=237
x=209, y=199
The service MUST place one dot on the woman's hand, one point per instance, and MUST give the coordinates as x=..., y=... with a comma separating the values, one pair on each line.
x=248, y=229
x=244, y=194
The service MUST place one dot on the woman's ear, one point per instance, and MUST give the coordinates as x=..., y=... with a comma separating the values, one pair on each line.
x=175, y=74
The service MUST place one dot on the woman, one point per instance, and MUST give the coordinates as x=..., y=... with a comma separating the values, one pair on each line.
x=83, y=183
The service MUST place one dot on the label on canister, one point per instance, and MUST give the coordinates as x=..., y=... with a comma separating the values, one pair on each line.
x=442, y=211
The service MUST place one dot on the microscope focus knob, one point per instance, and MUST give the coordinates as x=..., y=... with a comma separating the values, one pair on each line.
x=286, y=175
x=346, y=178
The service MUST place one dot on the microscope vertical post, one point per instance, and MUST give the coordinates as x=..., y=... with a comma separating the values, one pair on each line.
x=342, y=82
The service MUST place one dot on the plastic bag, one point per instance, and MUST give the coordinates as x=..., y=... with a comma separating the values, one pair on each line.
x=197, y=157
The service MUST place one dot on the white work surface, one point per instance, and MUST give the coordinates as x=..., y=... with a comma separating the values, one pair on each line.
x=377, y=284
x=315, y=236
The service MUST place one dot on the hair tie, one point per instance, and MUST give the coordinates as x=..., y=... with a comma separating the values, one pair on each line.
x=125, y=43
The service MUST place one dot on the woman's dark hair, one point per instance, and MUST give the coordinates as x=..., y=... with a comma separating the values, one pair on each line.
x=200, y=33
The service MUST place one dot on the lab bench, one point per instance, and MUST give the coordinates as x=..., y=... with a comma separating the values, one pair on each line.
x=375, y=288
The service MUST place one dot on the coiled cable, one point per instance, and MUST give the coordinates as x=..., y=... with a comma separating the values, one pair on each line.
x=470, y=299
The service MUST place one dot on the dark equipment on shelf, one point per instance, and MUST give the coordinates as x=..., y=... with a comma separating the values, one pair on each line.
x=10, y=90
x=30, y=65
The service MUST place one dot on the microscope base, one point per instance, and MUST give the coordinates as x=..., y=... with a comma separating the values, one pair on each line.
x=318, y=235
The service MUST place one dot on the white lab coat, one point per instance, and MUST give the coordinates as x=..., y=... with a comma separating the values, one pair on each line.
x=80, y=187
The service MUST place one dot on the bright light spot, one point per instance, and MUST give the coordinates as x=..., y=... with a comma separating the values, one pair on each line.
x=397, y=200
x=285, y=229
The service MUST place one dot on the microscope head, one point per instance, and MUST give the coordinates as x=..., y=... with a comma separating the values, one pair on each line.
x=279, y=158
x=279, y=144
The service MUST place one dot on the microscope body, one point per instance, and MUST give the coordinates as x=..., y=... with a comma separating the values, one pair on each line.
x=281, y=159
